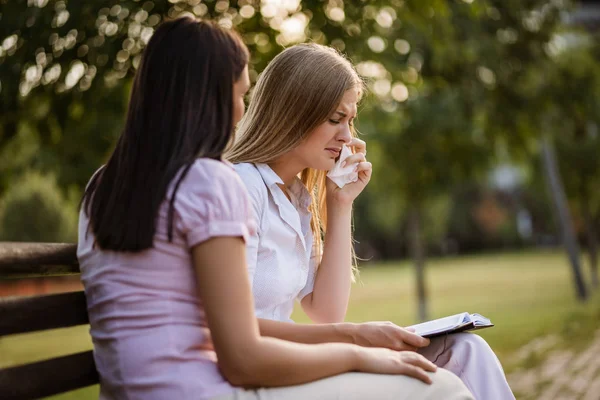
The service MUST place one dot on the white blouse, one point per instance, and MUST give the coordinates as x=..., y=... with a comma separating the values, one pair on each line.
x=281, y=260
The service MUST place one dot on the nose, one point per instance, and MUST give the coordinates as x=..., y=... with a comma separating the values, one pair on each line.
x=344, y=135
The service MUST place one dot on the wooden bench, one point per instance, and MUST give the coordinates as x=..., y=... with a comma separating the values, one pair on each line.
x=38, y=313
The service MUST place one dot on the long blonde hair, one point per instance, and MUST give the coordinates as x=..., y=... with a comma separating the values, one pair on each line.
x=299, y=89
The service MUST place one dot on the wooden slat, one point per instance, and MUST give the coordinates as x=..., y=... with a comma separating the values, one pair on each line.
x=36, y=313
x=46, y=378
x=37, y=259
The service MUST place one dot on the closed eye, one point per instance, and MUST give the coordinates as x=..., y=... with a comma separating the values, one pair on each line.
x=335, y=122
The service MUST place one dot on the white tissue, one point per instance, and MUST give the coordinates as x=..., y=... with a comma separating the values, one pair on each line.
x=343, y=176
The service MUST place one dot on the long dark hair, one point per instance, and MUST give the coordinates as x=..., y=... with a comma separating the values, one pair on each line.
x=181, y=108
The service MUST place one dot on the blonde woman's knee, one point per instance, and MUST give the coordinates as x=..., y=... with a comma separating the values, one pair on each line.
x=447, y=386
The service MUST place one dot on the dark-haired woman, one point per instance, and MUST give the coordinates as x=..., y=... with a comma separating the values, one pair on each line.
x=162, y=238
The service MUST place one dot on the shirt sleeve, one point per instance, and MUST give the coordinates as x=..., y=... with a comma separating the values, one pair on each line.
x=256, y=189
x=212, y=202
x=313, y=263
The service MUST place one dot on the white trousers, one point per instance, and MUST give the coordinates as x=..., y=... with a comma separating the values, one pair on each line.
x=361, y=386
x=469, y=357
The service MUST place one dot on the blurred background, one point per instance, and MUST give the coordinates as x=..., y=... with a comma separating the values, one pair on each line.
x=481, y=120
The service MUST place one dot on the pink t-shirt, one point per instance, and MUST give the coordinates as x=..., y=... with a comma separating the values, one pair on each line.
x=147, y=322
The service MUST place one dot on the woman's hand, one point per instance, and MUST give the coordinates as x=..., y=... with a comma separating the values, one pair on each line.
x=385, y=361
x=386, y=334
x=349, y=192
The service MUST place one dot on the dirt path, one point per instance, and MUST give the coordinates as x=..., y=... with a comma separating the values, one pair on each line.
x=559, y=374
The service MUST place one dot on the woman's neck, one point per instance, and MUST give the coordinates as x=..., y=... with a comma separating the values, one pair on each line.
x=287, y=170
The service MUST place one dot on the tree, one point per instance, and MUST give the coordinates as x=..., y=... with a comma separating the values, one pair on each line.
x=440, y=86
x=66, y=67
x=433, y=149
x=525, y=106
x=578, y=143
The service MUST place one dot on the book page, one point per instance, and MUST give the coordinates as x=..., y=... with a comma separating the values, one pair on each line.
x=480, y=320
x=441, y=324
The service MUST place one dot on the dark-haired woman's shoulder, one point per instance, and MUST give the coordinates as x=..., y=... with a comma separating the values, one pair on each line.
x=217, y=169
x=212, y=199
x=218, y=178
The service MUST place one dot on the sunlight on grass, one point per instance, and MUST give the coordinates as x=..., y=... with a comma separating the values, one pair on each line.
x=89, y=393
x=30, y=347
x=525, y=295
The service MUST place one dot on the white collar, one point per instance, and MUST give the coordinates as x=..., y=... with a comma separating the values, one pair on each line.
x=271, y=179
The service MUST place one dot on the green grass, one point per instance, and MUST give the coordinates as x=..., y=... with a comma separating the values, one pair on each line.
x=526, y=295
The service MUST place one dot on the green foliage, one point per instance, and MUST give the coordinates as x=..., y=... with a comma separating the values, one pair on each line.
x=453, y=84
x=34, y=209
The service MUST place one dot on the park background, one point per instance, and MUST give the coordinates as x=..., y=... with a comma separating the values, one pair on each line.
x=481, y=119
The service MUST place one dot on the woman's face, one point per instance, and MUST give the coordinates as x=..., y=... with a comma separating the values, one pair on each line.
x=240, y=88
x=322, y=146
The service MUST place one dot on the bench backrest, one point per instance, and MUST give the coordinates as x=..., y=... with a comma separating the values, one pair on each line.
x=38, y=313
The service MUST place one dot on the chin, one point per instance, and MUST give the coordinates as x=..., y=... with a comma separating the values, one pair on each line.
x=322, y=164
x=328, y=165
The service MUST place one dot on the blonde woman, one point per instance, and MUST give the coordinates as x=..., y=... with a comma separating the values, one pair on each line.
x=300, y=114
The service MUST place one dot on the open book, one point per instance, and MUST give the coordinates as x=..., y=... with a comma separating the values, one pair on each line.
x=453, y=324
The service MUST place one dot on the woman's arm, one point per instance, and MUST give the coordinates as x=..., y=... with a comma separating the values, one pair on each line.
x=328, y=301
x=308, y=333
x=331, y=292
x=368, y=334
x=248, y=359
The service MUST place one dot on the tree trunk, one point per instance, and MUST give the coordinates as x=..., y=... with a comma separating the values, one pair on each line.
x=559, y=201
x=592, y=240
x=417, y=252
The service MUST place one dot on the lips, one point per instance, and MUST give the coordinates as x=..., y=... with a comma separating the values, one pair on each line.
x=334, y=151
